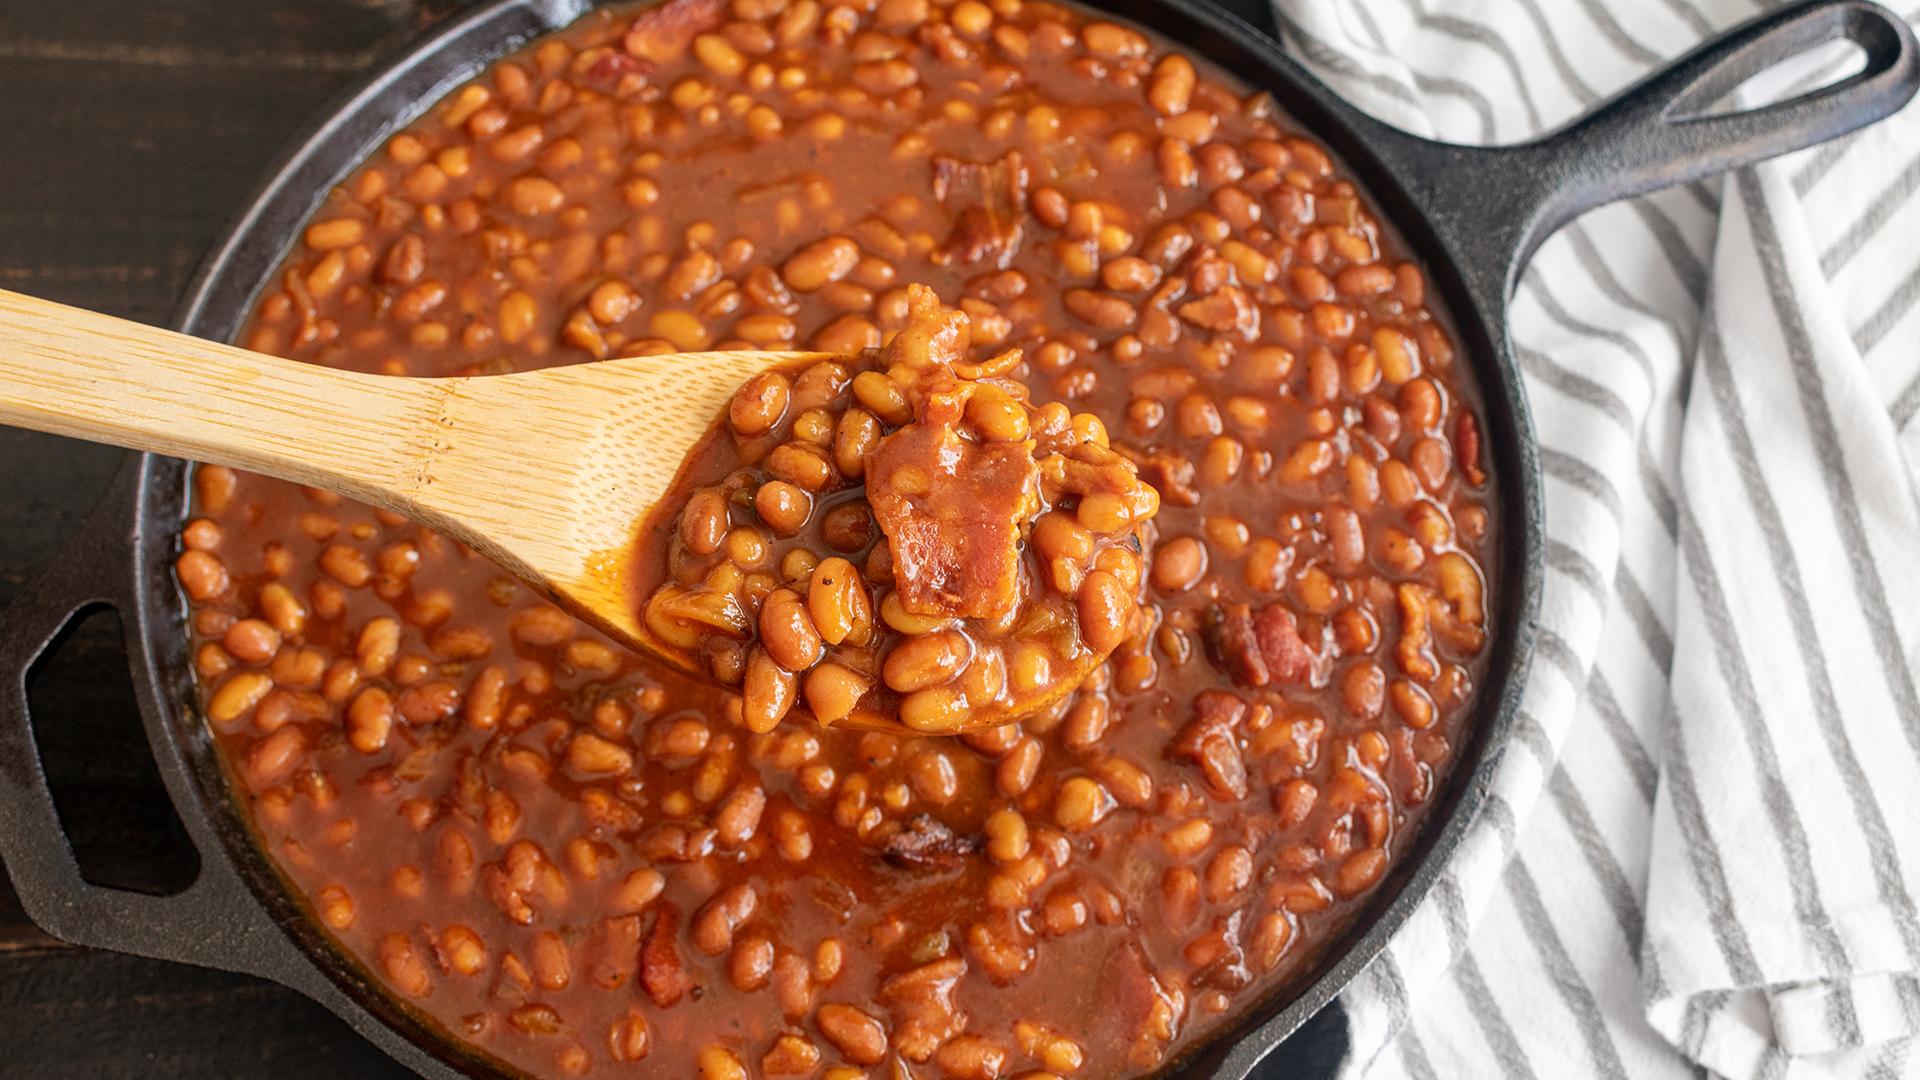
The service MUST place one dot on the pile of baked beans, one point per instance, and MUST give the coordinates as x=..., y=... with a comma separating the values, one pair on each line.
x=579, y=863
x=1011, y=566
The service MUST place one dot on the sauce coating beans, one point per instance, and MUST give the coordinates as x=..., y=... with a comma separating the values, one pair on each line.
x=581, y=864
x=958, y=614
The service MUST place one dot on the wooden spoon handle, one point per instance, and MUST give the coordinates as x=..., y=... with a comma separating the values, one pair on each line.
x=90, y=376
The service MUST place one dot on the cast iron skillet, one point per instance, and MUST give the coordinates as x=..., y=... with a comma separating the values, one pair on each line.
x=1473, y=216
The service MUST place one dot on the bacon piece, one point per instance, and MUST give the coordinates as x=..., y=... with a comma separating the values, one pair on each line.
x=927, y=844
x=1171, y=475
x=1211, y=741
x=662, y=971
x=952, y=510
x=1231, y=644
x=1258, y=648
x=1226, y=310
x=921, y=1003
x=616, y=951
x=663, y=33
x=1466, y=447
x=1288, y=658
x=989, y=202
x=1141, y=1012
x=613, y=66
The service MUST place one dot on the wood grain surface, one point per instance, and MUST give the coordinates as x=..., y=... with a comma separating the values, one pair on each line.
x=131, y=133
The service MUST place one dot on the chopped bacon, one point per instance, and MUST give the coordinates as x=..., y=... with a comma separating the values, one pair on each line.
x=662, y=972
x=926, y=844
x=1466, y=447
x=1288, y=658
x=1258, y=648
x=1231, y=644
x=951, y=508
x=952, y=511
x=1226, y=310
x=663, y=33
x=1141, y=1008
x=922, y=1006
x=617, y=952
x=1171, y=475
x=1211, y=741
x=988, y=201
x=613, y=66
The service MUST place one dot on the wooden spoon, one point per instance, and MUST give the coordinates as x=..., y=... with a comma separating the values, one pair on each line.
x=548, y=473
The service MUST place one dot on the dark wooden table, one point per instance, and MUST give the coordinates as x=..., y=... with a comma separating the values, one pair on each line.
x=129, y=133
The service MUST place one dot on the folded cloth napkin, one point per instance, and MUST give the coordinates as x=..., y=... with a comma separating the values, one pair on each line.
x=1703, y=848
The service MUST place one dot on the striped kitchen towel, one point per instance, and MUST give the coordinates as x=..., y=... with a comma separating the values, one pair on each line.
x=1703, y=849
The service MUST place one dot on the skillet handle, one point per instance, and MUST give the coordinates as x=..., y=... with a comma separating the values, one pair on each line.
x=213, y=922
x=1661, y=132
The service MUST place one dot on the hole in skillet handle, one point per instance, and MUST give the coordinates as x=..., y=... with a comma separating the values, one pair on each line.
x=107, y=792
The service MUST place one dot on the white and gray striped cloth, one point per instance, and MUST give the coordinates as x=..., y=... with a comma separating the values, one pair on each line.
x=1703, y=849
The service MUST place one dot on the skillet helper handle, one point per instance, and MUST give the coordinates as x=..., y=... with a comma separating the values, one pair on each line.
x=213, y=922
x=1661, y=131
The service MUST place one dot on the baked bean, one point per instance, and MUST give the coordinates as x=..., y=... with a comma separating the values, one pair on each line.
x=1106, y=610
x=820, y=264
x=926, y=660
x=750, y=965
x=720, y=1063
x=238, y=694
x=792, y=1055
x=370, y=720
x=858, y=1037
x=1172, y=87
x=252, y=641
x=787, y=631
x=589, y=753
x=534, y=196
x=936, y=710
x=639, y=889
x=202, y=575
x=1178, y=564
x=1100, y=309
x=782, y=506
x=802, y=466
x=837, y=601
x=833, y=691
x=1361, y=281
x=1081, y=804
x=201, y=534
x=403, y=966
x=759, y=404
x=768, y=692
x=739, y=817
x=1228, y=874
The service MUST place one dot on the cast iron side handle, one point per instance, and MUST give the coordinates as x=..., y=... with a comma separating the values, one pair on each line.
x=214, y=922
x=1502, y=202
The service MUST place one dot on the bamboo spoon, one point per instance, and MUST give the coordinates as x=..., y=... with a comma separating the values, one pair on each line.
x=548, y=473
